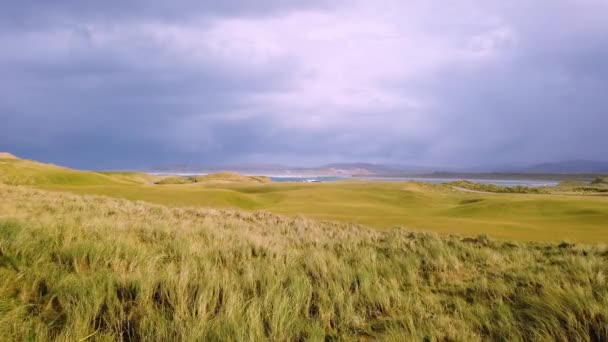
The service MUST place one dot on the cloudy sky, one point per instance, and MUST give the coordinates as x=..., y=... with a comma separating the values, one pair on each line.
x=125, y=84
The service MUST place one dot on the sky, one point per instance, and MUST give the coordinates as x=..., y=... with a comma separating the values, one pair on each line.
x=131, y=84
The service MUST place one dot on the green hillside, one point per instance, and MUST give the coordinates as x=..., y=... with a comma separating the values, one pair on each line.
x=25, y=172
x=217, y=178
x=15, y=171
x=231, y=177
x=131, y=177
x=174, y=180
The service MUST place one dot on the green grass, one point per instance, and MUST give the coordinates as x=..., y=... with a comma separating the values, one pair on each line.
x=560, y=214
x=16, y=171
x=78, y=268
x=218, y=177
x=131, y=177
x=386, y=205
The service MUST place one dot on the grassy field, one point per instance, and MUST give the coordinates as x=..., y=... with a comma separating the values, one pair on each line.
x=75, y=268
x=568, y=215
x=386, y=205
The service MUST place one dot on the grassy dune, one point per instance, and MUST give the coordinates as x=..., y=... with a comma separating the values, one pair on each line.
x=15, y=171
x=173, y=180
x=131, y=177
x=75, y=267
x=565, y=215
x=231, y=177
x=215, y=178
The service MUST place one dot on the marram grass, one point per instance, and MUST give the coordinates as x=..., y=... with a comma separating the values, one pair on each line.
x=76, y=268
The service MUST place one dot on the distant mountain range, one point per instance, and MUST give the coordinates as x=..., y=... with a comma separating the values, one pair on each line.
x=375, y=169
x=333, y=169
x=570, y=166
x=370, y=169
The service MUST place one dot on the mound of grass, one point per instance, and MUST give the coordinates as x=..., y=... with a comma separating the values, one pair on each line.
x=16, y=171
x=27, y=172
x=175, y=180
x=218, y=178
x=75, y=267
x=131, y=177
x=496, y=188
x=231, y=177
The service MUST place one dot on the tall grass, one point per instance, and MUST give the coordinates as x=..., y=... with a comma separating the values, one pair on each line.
x=93, y=268
x=518, y=189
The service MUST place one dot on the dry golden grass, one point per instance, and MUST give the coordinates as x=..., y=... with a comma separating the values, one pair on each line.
x=85, y=267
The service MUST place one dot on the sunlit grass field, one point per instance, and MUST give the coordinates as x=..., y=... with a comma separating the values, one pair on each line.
x=76, y=268
x=289, y=261
x=385, y=205
x=382, y=205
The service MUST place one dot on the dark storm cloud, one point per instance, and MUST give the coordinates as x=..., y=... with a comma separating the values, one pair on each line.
x=34, y=14
x=543, y=99
x=113, y=105
x=133, y=84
